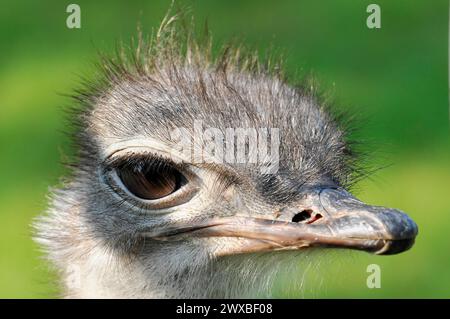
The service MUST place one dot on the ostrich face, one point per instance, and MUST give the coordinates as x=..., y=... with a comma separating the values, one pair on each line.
x=150, y=189
x=143, y=218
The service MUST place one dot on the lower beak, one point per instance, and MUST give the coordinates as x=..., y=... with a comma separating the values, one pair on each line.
x=330, y=217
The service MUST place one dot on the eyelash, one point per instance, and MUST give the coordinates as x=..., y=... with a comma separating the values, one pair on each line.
x=140, y=161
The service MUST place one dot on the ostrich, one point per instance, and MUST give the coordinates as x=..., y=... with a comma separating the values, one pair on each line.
x=141, y=218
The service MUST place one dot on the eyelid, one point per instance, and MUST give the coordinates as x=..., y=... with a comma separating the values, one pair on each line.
x=144, y=145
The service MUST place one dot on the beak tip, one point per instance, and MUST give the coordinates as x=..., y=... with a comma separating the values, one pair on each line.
x=399, y=225
x=402, y=233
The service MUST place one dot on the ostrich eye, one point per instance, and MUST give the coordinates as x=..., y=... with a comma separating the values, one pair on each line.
x=151, y=181
x=148, y=181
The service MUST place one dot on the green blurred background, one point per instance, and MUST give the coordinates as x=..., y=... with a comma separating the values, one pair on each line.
x=395, y=76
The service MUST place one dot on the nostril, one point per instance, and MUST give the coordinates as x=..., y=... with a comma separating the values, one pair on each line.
x=306, y=216
x=302, y=216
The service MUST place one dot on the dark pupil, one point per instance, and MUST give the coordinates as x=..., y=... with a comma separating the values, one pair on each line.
x=151, y=183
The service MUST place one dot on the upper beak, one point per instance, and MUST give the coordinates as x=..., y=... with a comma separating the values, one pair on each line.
x=329, y=217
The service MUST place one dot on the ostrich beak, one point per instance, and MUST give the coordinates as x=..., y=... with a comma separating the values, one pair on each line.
x=330, y=217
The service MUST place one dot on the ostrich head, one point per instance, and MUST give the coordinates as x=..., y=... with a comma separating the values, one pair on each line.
x=152, y=210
